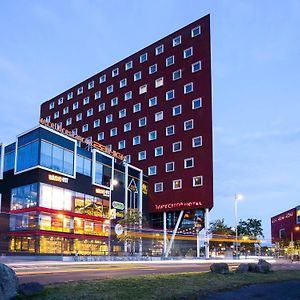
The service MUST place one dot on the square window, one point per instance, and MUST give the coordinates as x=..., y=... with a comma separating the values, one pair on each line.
x=159, y=116
x=159, y=151
x=176, y=110
x=56, y=115
x=80, y=90
x=136, y=140
x=188, y=88
x=143, y=89
x=74, y=131
x=188, y=125
x=137, y=76
x=75, y=105
x=109, y=146
x=152, y=101
x=86, y=100
x=114, y=131
x=151, y=170
x=159, y=49
x=85, y=128
x=51, y=105
x=79, y=117
x=102, y=78
x=109, y=118
x=169, y=61
x=97, y=95
x=101, y=107
x=123, y=82
x=158, y=187
x=65, y=110
x=96, y=123
x=48, y=118
x=170, y=95
x=159, y=82
x=122, y=113
x=70, y=96
x=121, y=145
x=114, y=101
x=128, y=158
x=188, y=52
x=100, y=136
x=60, y=101
x=196, y=66
x=177, y=184
x=189, y=163
x=197, y=181
x=127, y=127
x=177, y=41
x=115, y=72
x=142, y=155
x=89, y=112
x=128, y=65
x=152, y=135
x=143, y=57
x=153, y=69
x=69, y=122
x=90, y=85
x=176, y=74
x=196, y=31
x=177, y=146
x=109, y=89
x=128, y=96
x=196, y=103
x=137, y=107
x=197, y=141
x=170, y=130
x=170, y=166
x=142, y=122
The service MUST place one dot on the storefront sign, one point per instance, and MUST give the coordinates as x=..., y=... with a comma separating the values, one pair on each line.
x=81, y=139
x=118, y=205
x=102, y=192
x=58, y=178
x=178, y=205
x=119, y=229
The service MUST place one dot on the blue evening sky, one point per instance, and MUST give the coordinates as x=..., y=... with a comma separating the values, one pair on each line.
x=48, y=46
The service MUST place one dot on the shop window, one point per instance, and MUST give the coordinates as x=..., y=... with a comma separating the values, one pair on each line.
x=24, y=196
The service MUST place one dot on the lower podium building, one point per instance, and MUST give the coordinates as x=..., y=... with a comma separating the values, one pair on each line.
x=59, y=198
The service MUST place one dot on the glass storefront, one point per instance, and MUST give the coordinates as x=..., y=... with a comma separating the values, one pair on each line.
x=24, y=196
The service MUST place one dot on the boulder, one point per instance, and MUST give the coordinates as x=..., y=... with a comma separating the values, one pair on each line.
x=252, y=267
x=242, y=268
x=219, y=268
x=8, y=282
x=30, y=289
x=263, y=266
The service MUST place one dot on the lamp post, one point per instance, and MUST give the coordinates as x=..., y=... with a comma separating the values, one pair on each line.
x=112, y=183
x=237, y=198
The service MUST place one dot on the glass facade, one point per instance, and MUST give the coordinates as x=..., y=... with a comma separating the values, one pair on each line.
x=24, y=196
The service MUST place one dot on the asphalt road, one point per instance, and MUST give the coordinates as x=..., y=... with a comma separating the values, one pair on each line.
x=47, y=274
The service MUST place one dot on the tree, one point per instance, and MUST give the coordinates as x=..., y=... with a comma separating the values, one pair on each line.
x=131, y=222
x=251, y=228
x=219, y=227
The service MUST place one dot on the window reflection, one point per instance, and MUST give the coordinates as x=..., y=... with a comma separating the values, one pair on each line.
x=24, y=196
x=28, y=156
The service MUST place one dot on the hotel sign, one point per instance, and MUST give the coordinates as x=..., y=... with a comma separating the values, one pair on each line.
x=81, y=139
x=58, y=178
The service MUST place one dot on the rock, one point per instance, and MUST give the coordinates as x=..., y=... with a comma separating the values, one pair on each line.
x=263, y=266
x=30, y=289
x=252, y=267
x=8, y=283
x=219, y=268
x=242, y=268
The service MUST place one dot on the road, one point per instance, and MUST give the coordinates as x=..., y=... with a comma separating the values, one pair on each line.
x=48, y=273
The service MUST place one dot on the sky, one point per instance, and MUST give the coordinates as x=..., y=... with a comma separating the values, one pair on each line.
x=47, y=47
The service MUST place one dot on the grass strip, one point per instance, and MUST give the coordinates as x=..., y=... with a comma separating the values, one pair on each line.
x=162, y=286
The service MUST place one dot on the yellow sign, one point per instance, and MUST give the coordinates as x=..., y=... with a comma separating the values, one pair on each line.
x=81, y=139
x=103, y=192
x=58, y=178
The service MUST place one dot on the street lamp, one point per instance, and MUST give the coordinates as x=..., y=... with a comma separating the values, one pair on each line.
x=112, y=183
x=297, y=228
x=237, y=198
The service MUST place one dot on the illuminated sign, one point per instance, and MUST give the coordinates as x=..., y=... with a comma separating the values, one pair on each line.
x=102, y=192
x=81, y=139
x=118, y=205
x=178, y=205
x=145, y=189
x=58, y=178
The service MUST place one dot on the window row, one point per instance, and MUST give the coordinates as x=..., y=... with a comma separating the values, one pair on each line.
x=177, y=184
x=177, y=74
